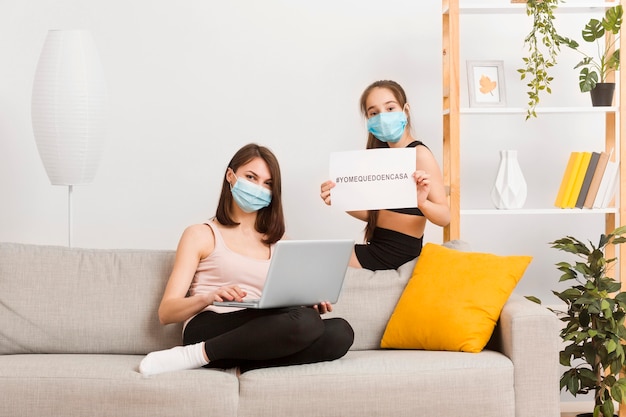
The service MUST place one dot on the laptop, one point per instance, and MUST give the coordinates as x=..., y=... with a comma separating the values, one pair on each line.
x=302, y=273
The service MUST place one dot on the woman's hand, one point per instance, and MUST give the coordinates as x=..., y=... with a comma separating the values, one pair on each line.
x=422, y=182
x=229, y=293
x=323, y=307
x=325, y=191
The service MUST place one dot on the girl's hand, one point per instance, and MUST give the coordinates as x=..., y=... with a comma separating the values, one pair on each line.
x=422, y=182
x=325, y=191
x=229, y=293
x=323, y=307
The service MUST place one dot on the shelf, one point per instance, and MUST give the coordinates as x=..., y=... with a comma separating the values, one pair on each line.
x=519, y=110
x=520, y=8
x=539, y=110
x=573, y=211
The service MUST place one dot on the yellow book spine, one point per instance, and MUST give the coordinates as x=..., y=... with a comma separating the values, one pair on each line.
x=578, y=157
x=578, y=181
x=558, y=202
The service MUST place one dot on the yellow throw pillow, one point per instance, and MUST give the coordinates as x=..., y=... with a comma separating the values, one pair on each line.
x=453, y=300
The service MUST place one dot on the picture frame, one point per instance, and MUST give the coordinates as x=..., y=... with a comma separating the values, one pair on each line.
x=485, y=80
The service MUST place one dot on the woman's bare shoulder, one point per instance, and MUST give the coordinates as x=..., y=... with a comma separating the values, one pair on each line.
x=422, y=149
x=199, y=237
x=424, y=155
x=198, y=228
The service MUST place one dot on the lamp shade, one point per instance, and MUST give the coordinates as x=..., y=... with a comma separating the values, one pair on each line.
x=68, y=107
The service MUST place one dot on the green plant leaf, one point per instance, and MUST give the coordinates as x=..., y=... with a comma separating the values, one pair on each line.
x=620, y=230
x=607, y=408
x=568, y=42
x=613, y=286
x=613, y=61
x=533, y=299
x=593, y=30
x=618, y=390
x=610, y=346
x=584, y=62
x=621, y=298
x=612, y=21
x=619, y=239
x=587, y=80
x=585, y=319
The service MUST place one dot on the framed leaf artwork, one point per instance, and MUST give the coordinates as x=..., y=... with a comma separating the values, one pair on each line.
x=485, y=80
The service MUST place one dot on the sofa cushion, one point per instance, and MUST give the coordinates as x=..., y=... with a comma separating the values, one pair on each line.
x=109, y=385
x=384, y=383
x=367, y=300
x=61, y=300
x=453, y=300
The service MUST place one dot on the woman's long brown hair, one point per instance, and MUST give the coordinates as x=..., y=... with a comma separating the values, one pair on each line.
x=269, y=220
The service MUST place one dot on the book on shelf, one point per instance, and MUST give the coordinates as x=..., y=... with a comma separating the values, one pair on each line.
x=611, y=187
x=606, y=190
x=595, y=180
x=578, y=180
x=584, y=188
x=567, y=182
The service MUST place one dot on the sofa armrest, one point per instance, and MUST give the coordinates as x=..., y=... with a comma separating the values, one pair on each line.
x=528, y=334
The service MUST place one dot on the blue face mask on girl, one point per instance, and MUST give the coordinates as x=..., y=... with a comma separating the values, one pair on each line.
x=249, y=196
x=387, y=127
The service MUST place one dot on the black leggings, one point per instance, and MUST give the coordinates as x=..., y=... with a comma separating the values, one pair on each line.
x=252, y=339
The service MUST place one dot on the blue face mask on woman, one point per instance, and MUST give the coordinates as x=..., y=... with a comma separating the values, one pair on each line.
x=387, y=127
x=249, y=196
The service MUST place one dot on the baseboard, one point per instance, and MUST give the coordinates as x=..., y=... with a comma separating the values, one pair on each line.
x=581, y=406
x=577, y=406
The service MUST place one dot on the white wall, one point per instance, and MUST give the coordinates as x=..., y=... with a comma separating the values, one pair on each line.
x=192, y=81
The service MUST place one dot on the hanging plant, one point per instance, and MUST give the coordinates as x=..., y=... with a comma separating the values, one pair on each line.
x=543, y=45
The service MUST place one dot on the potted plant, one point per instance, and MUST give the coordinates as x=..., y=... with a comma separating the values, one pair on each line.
x=595, y=70
x=542, y=43
x=593, y=330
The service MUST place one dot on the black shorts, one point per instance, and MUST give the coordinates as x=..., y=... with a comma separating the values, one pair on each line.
x=387, y=249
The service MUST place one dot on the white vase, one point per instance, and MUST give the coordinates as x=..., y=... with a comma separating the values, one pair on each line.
x=509, y=190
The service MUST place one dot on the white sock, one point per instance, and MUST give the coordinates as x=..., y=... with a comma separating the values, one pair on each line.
x=175, y=359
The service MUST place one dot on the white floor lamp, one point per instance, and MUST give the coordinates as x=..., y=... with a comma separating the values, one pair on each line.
x=68, y=110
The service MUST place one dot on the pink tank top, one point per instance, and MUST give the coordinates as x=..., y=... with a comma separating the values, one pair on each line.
x=225, y=267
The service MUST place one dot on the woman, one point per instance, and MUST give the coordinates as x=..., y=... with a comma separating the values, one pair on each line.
x=394, y=236
x=226, y=259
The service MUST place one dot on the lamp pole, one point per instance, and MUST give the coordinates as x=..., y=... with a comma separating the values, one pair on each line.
x=70, y=189
x=68, y=109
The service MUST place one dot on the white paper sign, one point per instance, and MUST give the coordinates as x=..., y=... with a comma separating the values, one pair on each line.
x=373, y=179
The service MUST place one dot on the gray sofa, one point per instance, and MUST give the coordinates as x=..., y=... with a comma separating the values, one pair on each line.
x=75, y=323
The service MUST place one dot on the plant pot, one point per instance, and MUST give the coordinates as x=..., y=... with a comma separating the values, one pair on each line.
x=589, y=415
x=602, y=94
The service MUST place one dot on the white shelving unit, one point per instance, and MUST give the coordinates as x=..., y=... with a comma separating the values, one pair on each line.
x=454, y=114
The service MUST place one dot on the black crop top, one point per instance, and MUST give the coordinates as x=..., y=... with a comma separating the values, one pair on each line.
x=413, y=211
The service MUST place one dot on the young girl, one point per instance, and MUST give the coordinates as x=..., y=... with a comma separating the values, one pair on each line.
x=227, y=258
x=394, y=236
